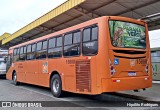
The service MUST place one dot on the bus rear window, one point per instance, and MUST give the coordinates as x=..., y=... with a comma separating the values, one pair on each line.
x=127, y=35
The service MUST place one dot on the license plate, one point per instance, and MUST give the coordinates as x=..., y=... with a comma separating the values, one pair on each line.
x=131, y=73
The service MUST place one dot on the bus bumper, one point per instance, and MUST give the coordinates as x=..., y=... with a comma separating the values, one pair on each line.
x=126, y=83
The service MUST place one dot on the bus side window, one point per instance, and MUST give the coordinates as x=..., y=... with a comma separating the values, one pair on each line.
x=90, y=41
x=72, y=44
x=28, y=52
x=24, y=52
x=21, y=54
x=38, y=50
x=44, y=49
x=14, y=58
x=17, y=54
x=41, y=50
x=33, y=51
x=55, y=47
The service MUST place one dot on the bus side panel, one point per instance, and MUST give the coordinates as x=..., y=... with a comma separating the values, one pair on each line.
x=31, y=72
x=45, y=67
x=21, y=71
x=102, y=58
x=68, y=73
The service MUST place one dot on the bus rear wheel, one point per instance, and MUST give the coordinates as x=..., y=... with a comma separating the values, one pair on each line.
x=56, y=86
x=14, y=78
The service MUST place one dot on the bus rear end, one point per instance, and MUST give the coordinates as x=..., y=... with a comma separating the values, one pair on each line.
x=129, y=55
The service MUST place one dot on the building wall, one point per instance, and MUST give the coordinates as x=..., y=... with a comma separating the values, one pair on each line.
x=155, y=64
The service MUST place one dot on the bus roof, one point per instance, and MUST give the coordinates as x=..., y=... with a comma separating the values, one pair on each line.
x=78, y=26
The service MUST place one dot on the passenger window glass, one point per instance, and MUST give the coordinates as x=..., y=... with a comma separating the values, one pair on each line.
x=44, y=45
x=76, y=37
x=87, y=34
x=28, y=48
x=55, y=51
x=24, y=49
x=94, y=33
x=59, y=41
x=90, y=43
x=52, y=42
x=22, y=53
x=39, y=46
x=72, y=48
x=90, y=48
x=15, y=51
x=33, y=47
x=68, y=39
x=21, y=50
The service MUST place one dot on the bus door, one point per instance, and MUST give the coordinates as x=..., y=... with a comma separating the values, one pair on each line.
x=8, y=62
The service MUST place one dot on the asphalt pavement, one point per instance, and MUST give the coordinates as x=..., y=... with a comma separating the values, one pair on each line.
x=26, y=93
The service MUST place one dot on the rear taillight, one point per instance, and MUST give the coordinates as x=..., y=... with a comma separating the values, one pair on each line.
x=112, y=70
x=146, y=69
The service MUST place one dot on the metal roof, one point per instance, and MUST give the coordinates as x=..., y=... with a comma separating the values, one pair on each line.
x=74, y=12
x=4, y=35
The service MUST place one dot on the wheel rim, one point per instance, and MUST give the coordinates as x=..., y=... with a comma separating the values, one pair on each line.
x=14, y=78
x=55, y=85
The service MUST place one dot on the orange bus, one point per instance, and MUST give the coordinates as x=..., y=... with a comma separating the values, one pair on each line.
x=106, y=54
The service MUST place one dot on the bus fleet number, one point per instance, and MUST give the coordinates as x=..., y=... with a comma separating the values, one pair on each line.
x=141, y=61
x=70, y=61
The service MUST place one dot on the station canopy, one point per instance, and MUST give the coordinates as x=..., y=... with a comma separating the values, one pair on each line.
x=73, y=12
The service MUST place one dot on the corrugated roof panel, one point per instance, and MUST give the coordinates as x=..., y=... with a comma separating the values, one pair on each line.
x=111, y=9
x=72, y=12
x=133, y=3
x=75, y=21
x=132, y=15
x=63, y=17
x=149, y=10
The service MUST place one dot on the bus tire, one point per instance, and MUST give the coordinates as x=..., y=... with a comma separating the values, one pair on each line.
x=14, y=78
x=56, y=86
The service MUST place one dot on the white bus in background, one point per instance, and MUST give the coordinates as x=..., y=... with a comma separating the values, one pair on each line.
x=3, y=59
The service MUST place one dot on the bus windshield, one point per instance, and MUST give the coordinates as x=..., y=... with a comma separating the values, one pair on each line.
x=127, y=35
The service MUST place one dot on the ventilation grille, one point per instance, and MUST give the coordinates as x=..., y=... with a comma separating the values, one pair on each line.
x=83, y=76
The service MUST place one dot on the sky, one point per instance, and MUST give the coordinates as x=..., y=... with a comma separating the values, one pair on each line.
x=15, y=14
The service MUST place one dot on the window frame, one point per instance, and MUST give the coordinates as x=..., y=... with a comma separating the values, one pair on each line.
x=80, y=43
x=37, y=46
x=91, y=26
x=23, y=54
x=14, y=53
x=31, y=51
x=55, y=37
x=42, y=49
